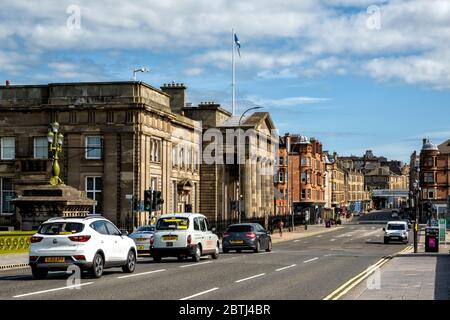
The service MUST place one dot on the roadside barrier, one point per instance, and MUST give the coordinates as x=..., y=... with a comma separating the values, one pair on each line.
x=15, y=241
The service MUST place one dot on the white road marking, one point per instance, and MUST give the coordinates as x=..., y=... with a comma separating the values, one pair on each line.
x=319, y=236
x=140, y=274
x=333, y=240
x=311, y=260
x=51, y=290
x=284, y=268
x=296, y=240
x=252, y=277
x=195, y=264
x=199, y=294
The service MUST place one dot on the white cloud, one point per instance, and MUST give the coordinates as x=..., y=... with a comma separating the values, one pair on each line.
x=286, y=39
x=428, y=69
x=285, y=102
x=192, y=72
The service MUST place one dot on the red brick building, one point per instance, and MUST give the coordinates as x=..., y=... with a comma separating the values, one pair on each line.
x=300, y=181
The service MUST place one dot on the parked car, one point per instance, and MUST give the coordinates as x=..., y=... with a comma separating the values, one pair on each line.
x=246, y=236
x=142, y=237
x=396, y=231
x=183, y=235
x=394, y=213
x=92, y=243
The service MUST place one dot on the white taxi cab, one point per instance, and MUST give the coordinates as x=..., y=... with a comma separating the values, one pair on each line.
x=183, y=235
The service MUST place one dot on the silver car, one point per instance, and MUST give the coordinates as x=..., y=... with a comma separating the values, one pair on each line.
x=142, y=237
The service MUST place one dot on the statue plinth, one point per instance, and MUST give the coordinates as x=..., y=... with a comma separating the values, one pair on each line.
x=41, y=203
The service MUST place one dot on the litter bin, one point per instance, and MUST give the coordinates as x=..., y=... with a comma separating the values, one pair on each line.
x=328, y=224
x=432, y=239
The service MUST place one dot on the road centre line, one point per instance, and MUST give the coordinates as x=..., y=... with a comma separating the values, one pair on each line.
x=284, y=268
x=140, y=274
x=195, y=264
x=51, y=290
x=310, y=260
x=199, y=294
x=252, y=277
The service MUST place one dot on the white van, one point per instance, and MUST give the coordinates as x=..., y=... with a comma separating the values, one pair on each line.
x=396, y=231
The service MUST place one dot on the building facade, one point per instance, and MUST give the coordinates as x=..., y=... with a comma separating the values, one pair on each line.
x=238, y=164
x=338, y=187
x=120, y=138
x=435, y=176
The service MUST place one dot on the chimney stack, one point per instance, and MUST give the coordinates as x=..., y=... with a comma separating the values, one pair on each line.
x=178, y=96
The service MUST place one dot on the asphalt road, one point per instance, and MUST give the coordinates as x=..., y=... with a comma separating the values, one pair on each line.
x=308, y=268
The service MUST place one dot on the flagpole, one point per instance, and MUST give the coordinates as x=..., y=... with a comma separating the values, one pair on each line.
x=233, y=80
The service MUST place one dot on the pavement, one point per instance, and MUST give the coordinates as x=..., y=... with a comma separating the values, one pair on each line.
x=297, y=269
x=300, y=232
x=408, y=276
x=11, y=261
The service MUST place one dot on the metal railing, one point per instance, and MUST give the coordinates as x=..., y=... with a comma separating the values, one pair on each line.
x=15, y=241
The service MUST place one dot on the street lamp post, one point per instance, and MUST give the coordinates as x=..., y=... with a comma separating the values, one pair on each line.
x=241, y=196
x=416, y=193
x=55, y=139
x=143, y=69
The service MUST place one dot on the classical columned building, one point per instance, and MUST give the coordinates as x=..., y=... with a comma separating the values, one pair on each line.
x=120, y=139
x=238, y=164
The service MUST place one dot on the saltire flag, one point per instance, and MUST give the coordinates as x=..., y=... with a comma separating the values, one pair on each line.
x=238, y=44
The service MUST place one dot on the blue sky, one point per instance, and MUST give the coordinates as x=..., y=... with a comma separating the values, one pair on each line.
x=356, y=74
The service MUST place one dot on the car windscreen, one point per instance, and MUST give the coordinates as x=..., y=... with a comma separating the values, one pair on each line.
x=172, y=223
x=145, y=229
x=396, y=227
x=60, y=228
x=240, y=228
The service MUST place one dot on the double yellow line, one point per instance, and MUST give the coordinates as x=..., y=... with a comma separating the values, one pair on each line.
x=350, y=284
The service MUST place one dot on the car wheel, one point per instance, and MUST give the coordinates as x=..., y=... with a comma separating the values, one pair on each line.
x=197, y=254
x=269, y=247
x=97, y=266
x=386, y=241
x=256, y=250
x=238, y=250
x=39, y=273
x=215, y=255
x=131, y=262
x=156, y=258
x=180, y=258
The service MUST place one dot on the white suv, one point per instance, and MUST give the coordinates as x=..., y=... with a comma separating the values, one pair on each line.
x=91, y=243
x=183, y=235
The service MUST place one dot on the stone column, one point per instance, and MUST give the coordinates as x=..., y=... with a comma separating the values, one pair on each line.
x=246, y=180
x=269, y=196
x=258, y=188
x=253, y=188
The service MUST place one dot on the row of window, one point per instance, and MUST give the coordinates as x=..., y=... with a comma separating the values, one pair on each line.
x=312, y=194
x=185, y=157
x=93, y=148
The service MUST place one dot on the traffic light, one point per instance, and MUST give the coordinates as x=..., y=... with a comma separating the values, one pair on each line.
x=157, y=200
x=148, y=197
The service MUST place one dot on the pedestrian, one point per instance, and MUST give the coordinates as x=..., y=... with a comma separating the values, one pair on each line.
x=280, y=227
